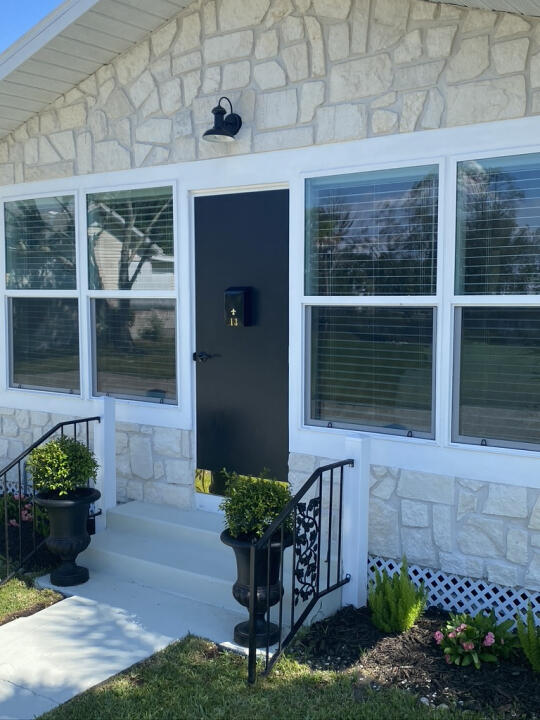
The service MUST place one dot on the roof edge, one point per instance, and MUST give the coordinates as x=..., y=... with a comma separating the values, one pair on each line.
x=42, y=33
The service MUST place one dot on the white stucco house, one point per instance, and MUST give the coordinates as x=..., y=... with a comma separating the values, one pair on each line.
x=381, y=201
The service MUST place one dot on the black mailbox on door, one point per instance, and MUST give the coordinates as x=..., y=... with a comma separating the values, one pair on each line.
x=237, y=306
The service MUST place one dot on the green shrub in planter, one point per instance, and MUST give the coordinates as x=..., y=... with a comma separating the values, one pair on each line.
x=61, y=466
x=529, y=639
x=252, y=503
x=395, y=602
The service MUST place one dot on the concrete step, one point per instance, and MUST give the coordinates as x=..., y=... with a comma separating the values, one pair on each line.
x=175, y=551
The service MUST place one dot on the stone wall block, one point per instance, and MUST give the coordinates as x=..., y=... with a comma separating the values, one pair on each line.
x=292, y=29
x=417, y=485
x=299, y=462
x=338, y=41
x=510, y=24
x=418, y=76
x=388, y=25
x=422, y=10
x=236, y=75
x=532, y=577
x=134, y=490
x=22, y=418
x=10, y=427
x=434, y=109
x=167, y=441
x=414, y=514
x=277, y=109
x=38, y=419
x=189, y=36
x=4, y=447
x=130, y=65
x=360, y=78
x=510, y=56
x=266, y=45
x=334, y=9
x=506, y=500
x=140, y=451
x=162, y=38
x=498, y=99
x=141, y=88
x=383, y=530
x=384, y=122
x=384, y=489
x=409, y=49
x=110, y=155
x=467, y=503
x=534, y=520
x=179, y=472
x=295, y=58
x=359, y=26
x=482, y=536
x=279, y=9
x=269, y=75
x=478, y=20
x=439, y=40
x=502, y=573
x=418, y=546
x=235, y=14
x=121, y=439
x=443, y=527
x=315, y=36
x=210, y=18
x=470, y=61
x=165, y=494
x=460, y=565
x=413, y=104
x=283, y=139
x=516, y=545
x=228, y=47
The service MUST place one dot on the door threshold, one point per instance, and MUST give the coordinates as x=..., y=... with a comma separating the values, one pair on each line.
x=210, y=503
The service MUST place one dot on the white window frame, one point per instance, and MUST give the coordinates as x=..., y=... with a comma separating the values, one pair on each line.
x=432, y=301
x=289, y=168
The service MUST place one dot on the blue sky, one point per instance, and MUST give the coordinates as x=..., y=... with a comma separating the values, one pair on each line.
x=18, y=16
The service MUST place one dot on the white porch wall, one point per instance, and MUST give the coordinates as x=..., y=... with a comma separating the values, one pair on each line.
x=302, y=73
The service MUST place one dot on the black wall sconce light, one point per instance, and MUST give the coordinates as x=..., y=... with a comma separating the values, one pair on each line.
x=226, y=127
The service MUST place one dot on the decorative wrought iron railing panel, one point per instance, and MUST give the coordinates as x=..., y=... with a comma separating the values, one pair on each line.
x=20, y=536
x=311, y=525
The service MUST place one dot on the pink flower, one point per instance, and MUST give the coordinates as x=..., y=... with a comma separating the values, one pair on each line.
x=448, y=659
x=26, y=516
x=16, y=496
x=468, y=646
x=461, y=628
x=489, y=639
x=13, y=523
x=438, y=637
x=28, y=506
x=452, y=635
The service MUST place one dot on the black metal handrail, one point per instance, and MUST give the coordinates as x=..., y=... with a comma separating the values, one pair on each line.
x=25, y=494
x=306, y=523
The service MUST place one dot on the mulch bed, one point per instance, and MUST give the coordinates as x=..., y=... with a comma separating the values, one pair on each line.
x=412, y=661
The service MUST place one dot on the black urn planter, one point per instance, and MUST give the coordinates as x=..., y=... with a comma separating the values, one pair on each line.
x=68, y=532
x=267, y=595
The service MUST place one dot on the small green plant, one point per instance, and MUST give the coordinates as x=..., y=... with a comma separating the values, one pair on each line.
x=468, y=640
x=252, y=503
x=529, y=639
x=61, y=466
x=395, y=602
x=21, y=511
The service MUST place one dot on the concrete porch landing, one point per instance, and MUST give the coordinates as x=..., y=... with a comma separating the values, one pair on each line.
x=134, y=604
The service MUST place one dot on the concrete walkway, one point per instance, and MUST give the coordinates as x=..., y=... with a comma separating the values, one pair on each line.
x=109, y=625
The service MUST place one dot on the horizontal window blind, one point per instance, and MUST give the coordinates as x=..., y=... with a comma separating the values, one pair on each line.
x=135, y=349
x=45, y=344
x=499, y=371
x=131, y=240
x=372, y=233
x=372, y=368
x=40, y=244
x=498, y=226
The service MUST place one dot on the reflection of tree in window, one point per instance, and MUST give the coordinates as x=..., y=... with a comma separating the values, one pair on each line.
x=498, y=234
x=376, y=238
x=40, y=241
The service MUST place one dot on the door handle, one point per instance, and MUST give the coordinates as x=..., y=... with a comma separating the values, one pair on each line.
x=201, y=357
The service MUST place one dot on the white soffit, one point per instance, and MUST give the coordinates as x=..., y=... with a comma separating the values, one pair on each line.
x=67, y=46
x=521, y=7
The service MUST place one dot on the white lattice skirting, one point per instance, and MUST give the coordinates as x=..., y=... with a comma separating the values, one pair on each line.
x=461, y=594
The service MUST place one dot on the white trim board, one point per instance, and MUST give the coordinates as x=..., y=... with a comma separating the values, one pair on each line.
x=289, y=168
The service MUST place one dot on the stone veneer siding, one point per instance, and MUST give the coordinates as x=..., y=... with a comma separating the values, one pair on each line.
x=464, y=527
x=300, y=73
x=152, y=463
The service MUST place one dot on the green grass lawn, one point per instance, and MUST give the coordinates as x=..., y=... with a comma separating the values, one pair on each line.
x=18, y=597
x=192, y=680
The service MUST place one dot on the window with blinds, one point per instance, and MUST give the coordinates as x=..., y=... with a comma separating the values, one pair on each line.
x=45, y=344
x=372, y=368
x=135, y=349
x=131, y=240
x=372, y=233
x=497, y=386
x=40, y=244
x=498, y=226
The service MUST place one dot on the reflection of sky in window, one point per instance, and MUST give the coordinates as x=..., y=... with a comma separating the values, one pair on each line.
x=520, y=175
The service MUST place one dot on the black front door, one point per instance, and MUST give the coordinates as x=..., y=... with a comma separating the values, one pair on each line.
x=242, y=336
